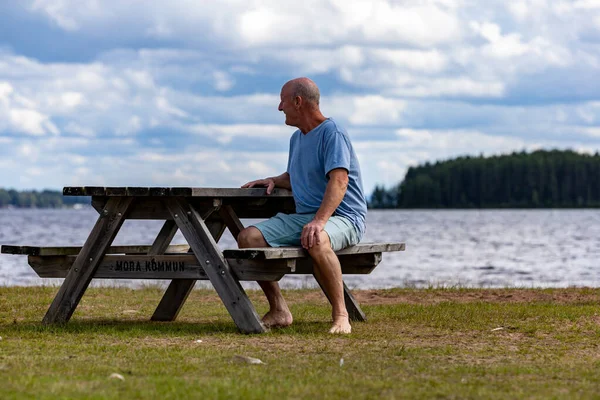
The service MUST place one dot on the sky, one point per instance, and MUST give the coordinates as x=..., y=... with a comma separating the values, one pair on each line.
x=185, y=92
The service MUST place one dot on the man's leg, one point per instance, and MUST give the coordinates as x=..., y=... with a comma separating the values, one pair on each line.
x=329, y=273
x=279, y=314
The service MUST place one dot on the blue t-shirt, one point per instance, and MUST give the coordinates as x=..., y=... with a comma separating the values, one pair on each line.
x=312, y=157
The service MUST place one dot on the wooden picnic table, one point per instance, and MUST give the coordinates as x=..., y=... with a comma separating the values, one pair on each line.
x=202, y=214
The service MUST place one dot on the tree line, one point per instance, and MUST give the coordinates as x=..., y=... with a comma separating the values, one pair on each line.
x=38, y=199
x=541, y=179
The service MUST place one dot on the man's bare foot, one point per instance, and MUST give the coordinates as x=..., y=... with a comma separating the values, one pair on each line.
x=277, y=318
x=341, y=325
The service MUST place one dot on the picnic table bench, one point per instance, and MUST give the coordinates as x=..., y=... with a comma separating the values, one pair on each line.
x=202, y=215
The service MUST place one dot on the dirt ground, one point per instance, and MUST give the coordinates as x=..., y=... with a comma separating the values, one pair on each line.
x=424, y=296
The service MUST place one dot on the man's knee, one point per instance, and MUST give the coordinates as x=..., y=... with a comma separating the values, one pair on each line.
x=251, y=237
x=324, y=246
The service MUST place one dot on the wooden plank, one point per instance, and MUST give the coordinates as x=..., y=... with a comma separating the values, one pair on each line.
x=355, y=313
x=74, y=250
x=162, y=241
x=216, y=267
x=253, y=270
x=359, y=264
x=256, y=207
x=181, y=266
x=185, y=266
x=174, y=192
x=164, y=237
x=74, y=191
x=86, y=263
x=267, y=253
x=138, y=191
x=181, y=191
x=144, y=208
x=178, y=291
x=159, y=191
x=94, y=190
x=232, y=222
x=115, y=191
x=152, y=207
x=238, y=192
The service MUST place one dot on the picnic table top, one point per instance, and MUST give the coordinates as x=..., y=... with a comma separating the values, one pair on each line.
x=172, y=191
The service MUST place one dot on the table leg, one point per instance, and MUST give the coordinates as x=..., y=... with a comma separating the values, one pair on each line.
x=179, y=289
x=232, y=221
x=86, y=263
x=163, y=240
x=216, y=267
x=354, y=311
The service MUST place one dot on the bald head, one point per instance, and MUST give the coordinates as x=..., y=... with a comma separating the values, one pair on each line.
x=306, y=89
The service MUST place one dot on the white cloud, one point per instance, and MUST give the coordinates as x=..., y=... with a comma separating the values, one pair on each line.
x=226, y=133
x=592, y=131
x=223, y=81
x=57, y=11
x=263, y=23
x=452, y=87
x=519, y=9
x=456, y=141
x=75, y=128
x=6, y=90
x=587, y=4
x=365, y=110
x=411, y=80
x=31, y=122
x=418, y=60
x=129, y=127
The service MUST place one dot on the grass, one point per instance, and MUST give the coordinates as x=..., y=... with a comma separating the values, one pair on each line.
x=428, y=343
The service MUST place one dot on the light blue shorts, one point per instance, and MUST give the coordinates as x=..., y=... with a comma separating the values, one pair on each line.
x=286, y=229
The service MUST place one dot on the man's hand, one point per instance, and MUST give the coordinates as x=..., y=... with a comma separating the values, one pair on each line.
x=268, y=182
x=311, y=233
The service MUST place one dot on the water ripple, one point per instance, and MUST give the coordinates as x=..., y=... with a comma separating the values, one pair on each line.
x=480, y=248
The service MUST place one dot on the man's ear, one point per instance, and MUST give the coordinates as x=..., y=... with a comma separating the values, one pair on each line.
x=298, y=101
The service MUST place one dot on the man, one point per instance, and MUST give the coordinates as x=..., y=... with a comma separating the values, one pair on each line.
x=324, y=176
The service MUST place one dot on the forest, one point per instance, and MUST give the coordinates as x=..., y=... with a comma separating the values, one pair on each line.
x=540, y=179
x=38, y=199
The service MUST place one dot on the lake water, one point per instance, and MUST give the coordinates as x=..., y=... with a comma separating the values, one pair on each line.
x=469, y=248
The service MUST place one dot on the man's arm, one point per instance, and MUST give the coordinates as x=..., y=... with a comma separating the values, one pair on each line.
x=334, y=194
x=280, y=181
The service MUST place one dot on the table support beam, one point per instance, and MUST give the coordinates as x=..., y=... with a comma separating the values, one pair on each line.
x=179, y=289
x=81, y=273
x=163, y=240
x=355, y=313
x=216, y=267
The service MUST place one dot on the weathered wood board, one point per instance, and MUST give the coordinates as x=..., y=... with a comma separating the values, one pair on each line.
x=74, y=250
x=216, y=267
x=173, y=191
x=186, y=266
x=244, y=207
x=270, y=253
x=87, y=261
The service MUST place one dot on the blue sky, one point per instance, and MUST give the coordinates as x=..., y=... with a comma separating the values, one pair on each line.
x=185, y=93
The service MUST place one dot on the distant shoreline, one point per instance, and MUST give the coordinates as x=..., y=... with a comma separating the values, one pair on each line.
x=76, y=206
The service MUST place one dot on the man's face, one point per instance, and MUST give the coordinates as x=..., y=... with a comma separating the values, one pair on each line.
x=288, y=106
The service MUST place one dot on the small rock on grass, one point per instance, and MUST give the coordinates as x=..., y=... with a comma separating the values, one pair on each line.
x=247, y=360
x=114, y=375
